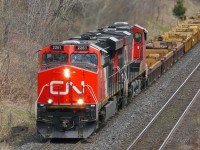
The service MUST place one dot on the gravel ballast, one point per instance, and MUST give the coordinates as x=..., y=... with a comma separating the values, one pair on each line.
x=187, y=136
x=123, y=128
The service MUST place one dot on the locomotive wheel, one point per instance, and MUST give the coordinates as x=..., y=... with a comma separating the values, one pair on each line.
x=102, y=116
x=119, y=102
x=131, y=93
x=144, y=83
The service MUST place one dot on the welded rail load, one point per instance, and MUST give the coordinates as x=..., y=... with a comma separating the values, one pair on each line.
x=168, y=48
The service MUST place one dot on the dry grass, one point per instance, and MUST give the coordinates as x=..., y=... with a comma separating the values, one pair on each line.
x=4, y=146
x=164, y=21
x=18, y=89
x=16, y=121
x=14, y=115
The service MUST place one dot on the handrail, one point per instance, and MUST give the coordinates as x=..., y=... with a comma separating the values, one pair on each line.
x=92, y=92
x=118, y=70
x=41, y=91
x=38, y=99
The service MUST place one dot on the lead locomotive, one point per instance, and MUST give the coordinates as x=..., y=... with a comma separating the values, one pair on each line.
x=84, y=80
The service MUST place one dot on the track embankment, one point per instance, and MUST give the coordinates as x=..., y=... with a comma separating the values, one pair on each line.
x=155, y=133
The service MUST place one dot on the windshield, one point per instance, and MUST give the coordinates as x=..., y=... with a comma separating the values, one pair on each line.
x=48, y=58
x=87, y=61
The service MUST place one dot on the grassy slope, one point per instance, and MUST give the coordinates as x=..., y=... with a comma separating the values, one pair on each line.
x=155, y=15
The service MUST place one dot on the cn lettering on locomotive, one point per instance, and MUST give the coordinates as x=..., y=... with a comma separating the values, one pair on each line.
x=52, y=91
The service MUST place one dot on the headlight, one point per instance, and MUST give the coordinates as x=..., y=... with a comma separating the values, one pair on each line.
x=80, y=101
x=50, y=101
x=67, y=73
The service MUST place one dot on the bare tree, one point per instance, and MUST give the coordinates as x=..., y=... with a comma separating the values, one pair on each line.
x=158, y=13
x=5, y=20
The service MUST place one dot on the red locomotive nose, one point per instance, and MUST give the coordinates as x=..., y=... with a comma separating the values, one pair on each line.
x=68, y=85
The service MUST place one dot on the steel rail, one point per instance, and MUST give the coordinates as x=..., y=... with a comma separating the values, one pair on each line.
x=179, y=121
x=161, y=110
x=77, y=145
x=48, y=143
x=38, y=99
x=45, y=145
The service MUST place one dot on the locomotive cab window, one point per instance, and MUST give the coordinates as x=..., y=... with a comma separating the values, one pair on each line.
x=48, y=58
x=138, y=37
x=86, y=61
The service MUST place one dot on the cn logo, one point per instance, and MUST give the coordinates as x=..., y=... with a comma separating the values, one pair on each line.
x=52, y=83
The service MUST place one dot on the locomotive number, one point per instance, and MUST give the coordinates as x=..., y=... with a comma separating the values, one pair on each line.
x=57, y=47
x=82, y=47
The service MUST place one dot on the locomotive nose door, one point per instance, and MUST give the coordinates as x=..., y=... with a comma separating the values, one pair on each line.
x=139, y=42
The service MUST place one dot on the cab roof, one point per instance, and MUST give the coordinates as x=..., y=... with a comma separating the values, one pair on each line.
x=108, y=38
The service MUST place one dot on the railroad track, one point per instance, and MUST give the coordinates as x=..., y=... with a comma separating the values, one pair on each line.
x=170, y=135
x=160, y=129
x=68, y=146
x=45, y=145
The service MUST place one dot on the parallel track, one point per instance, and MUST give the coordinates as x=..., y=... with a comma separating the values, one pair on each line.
x=170, y=135
x=157, y=133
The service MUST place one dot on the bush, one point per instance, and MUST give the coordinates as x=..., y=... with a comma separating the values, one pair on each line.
x=179, y=9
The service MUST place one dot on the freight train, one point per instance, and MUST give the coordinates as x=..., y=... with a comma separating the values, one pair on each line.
x=85, y=80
